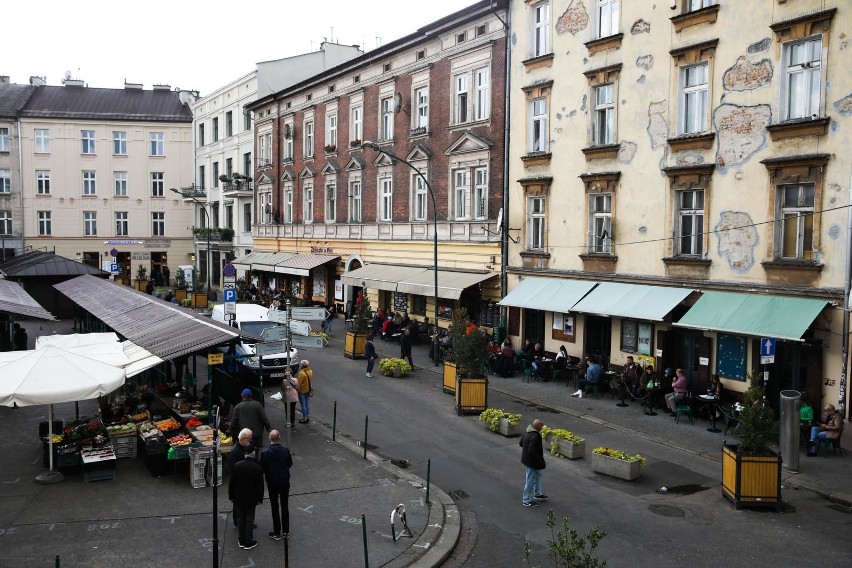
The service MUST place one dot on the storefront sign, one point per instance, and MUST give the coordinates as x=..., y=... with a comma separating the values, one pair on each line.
x=215, y=358
x=644, y=341
x=124, y=242
x=140, y=256
x=158, y=244
x=322, y=250
x=338, y=289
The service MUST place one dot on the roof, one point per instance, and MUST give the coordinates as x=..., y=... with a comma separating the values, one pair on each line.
x=298, y=264
x=163, y=328
x=85, y=103
x=14, y=300
x=12, y=98
x=414, y=279
x=635, y=301
x=39, y=263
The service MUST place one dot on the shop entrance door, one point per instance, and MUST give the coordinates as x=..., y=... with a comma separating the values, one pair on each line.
x=598, y=339
x=688, y=350
x=159, y=260
x=797, y=367
x=533, y=326
x=124, y=267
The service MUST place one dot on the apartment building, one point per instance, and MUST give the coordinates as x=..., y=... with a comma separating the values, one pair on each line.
x=12, y=98
x=361, y=168
x=679, y=186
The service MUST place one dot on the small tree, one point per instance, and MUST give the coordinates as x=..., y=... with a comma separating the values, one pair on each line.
x=141, y=272
x=567, y=549
x=363, y=315
x=180, y=280
x=468, y=346
x=757, y=420
x=242, y=289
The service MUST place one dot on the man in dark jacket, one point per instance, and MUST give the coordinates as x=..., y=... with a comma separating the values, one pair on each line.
x=245, y=490
x=370, y=355
x=250, y=414
x=405, y=346
x=532, y=456
x=276, y=462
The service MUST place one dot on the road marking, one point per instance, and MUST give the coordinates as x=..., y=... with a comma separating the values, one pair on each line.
x=338, y=458
x=307, y=509
x=171, y=520
x=17, y=479
x=424, y=545
x=51, y=526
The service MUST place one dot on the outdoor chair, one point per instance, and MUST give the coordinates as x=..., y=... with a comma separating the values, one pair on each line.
x=834, y=445
x=594, y=389
x=528, y=370
x=684, y=407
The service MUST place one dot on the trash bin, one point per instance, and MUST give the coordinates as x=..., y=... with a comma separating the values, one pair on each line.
x=789, y=435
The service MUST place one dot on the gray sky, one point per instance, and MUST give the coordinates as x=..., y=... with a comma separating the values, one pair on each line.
x=193, y=45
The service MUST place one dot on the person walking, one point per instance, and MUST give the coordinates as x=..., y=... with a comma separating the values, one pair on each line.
x=290, y=385
x=167, y=275
x=370, y=355
x=250, y=414
x=276, y=461
x=245, y=491
x=405, y=346
x=532, y=456
x=326, y=323
x=305, y=390
x=20, y=337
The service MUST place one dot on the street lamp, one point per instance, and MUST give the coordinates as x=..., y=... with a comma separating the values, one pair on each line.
x=211, y=295
x=377, y=148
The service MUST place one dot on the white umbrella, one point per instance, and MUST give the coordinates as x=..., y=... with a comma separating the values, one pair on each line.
x=103, y=347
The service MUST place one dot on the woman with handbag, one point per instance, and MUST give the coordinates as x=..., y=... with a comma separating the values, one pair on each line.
x=290, y=386
x=305, y=390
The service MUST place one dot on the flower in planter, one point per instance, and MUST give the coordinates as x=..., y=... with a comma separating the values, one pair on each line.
x=355, y=143
x=330, y=148
x=619, y=455
x=556, y=434
x=468, y=350
x=389, y=366
x=492, y=417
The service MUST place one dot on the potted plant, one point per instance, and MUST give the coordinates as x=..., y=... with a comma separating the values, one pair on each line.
x=394, y=367
x=502, y=422
x=199, y=297
x=564, y=443
x=224, y=178
x=180, y=286
x=141, y=278
x=353, y=346
x=330, y=148
x=751, y=472
x=617, y=463
x=355, y=143
x=469, y=352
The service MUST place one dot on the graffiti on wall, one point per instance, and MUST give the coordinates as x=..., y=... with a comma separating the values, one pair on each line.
x=574, y=19
x=741, y=132
x=737, y=240
x=747, y=76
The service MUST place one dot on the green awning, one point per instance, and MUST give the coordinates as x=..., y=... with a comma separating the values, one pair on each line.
x=547, y=294
x=749, y=314
x=635, y=301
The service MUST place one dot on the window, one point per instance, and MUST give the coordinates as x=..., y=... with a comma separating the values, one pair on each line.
x=229, y=124
x=202, y=177
x=229, y=216
x=482, y=102
x=119, y=143
x=229, y=166
x=603, y=131
x=600, y=224
x=45, y=227
x=158, y=144
x=386, y=67
x=460, y=97
x=797, y=225
x=386, y=199
x=460, y=37
x=535, y=223
x=540, y=29
x=308, y=216
x=461, y=190
x=693, y=5
x=247, y=170
x=90, y=185
x=5, y=181
x=88, y=138
x=288, y=146
x=421, y=54
x=215, y=177
x=693, y=99
x=247, y=217
x=42, y=140
x=5, y=222
x=90, y=223
x=4, y=140
x=158, y=224
x=421, y=99
x=122, y=228
x=386, y=117
x=480, y=193
x=288, y=204
x=420, y=203
x=309, y=138
x=120, y=182
x=200, y=136
x=330, y=203
x=538, y=136
x=357, y=128
x=43, y=182
x=158, y=184
x=803, y=64
x=246, y=120
x=690, y=222
x=481, y=30
x=606, y=18
x=215, y=129
x=265, y=209
x=331, y=130
x=355, y=201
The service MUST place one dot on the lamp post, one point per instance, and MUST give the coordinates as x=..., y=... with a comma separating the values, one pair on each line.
x=377, y=148
x=211, y=295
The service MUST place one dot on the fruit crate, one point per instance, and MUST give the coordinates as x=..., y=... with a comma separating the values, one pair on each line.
x=201, y=468
x=124, y=447
x=182, y=452
x=99, y=475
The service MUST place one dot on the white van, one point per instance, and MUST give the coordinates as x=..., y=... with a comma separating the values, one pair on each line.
x=253, y=319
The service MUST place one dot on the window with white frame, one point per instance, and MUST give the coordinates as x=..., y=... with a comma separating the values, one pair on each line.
x=120, y=182
x=229, y=217
x=43, y=182
x=246, y=120
x=202, y=177
x=540, y=20
x=693, y=5
x=536, y=222
x=158, y=224
x=122, y=226
x=331, y=130
x=600, y=223
x=158, y=144
x=90, y=223
x=460, y=97
x=309, y=138
x=88, y=139
x=355, y=201
x=692, y=111
x=215, y=129
x=308, y=213
x=356, y=129
x=461, y=193
x=4, y=140
x=201, y=141
x=5, y=222
x=480, y=193
x=538, y=133
x=5, y=181
x=158, y=184
x=386, y=199
x=421, y=100
x=796, y=205
x=90, y=184
x=246, y=217
x=606, y=17
x=803, y=78
x=386, y=118
x=482, y=98
x=261, y=149
x=330, y=202
x=229, y=124
x=690, y=222
x=265, y=199
x=288, y=145
x=603, y=127
x=215, y=177
x=119, y=143
x=42, y=140
x=288, y=203
x=420, y=196
x=45, y=224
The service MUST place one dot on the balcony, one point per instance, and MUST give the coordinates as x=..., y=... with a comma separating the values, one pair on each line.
x=455, y=231
x=216, y=235
x=193, y=192
x=237, y=189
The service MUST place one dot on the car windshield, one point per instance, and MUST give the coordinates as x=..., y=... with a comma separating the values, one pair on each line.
x=256, y=327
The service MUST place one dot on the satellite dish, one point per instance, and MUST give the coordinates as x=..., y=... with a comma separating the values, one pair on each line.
x=397, y=102
x=67, y=75
x=500, y=220
x=288, y=132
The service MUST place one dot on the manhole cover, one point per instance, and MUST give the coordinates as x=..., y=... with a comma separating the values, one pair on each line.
x=666, y=510
x=459, y=494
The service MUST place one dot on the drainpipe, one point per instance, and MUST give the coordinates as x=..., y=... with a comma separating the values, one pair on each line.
x=504, y=228
x=844, y=357
x=21, y=192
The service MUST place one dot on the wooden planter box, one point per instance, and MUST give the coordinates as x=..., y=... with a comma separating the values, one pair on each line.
x=751, y=481
x=567, y=449
x=626, y=470
x=199, y=300
x=471, y=395
x=180, y=294
x=140, y=285
x=505, y=429
x=353, y=347
x=450, y=374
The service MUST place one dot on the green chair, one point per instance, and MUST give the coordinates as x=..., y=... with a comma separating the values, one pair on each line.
x=684, y=407
x=528, y=371
x=594, y=389
x=833, y=444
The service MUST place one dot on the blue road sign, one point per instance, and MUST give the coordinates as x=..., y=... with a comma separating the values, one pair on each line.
x=230, y=294
x=113, y=267
x=229, y=270
x=767, y=346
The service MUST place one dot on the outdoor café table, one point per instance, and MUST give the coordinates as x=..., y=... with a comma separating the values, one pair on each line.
x=546, y=365
x=710, y=402
x=621, y=383
x=651, y=399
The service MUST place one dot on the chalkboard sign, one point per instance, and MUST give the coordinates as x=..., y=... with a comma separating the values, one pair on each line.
x=629, y=333
x=400, y=302
x=731, y=356
x=489, y=313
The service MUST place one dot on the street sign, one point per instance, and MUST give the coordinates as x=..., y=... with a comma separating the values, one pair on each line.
x=229, y=308
x=270, y=348
x=229, y=270
x=767, y=350
x=113, y=267
x=274, y=333
x=300, y=327
x=229, y=295
x=278, y=316
x=215, y=358
x=310, y=341
x=312, y=314
x=229, y=281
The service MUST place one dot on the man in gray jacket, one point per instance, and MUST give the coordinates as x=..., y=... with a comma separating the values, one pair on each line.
x=250, y=414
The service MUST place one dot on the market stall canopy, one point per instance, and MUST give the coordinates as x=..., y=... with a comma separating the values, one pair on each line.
x=51, y=375
x=297, y=264
x=39, y=263
x=15, y=300
x=106, y=348
x=547, y=294
x=635, y=301
x=750, y=314
x=415, y=279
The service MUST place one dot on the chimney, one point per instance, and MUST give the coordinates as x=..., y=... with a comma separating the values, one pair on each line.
x=133, y=86
x=162, y=87
x=37, y=81
x=4, y=79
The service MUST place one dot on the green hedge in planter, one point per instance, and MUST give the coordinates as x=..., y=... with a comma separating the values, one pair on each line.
x=492, y=417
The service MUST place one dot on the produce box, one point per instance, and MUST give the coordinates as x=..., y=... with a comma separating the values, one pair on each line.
x=124, y=447
x=127, y=430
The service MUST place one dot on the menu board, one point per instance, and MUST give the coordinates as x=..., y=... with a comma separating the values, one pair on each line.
x=629, y=334
x=400, y=302
x=489, y=313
